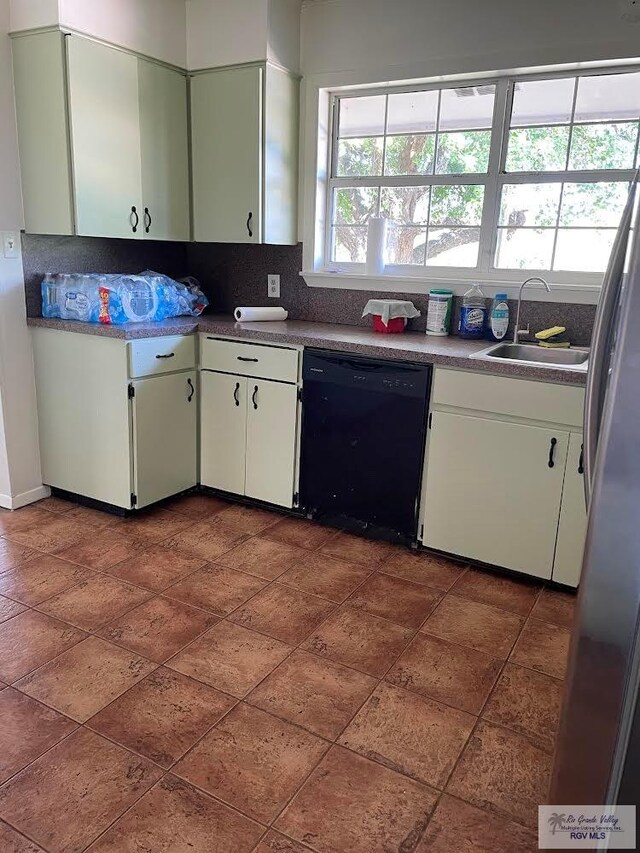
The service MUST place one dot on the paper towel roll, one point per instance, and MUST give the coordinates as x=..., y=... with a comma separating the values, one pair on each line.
x=255, y=315
x=376, y=245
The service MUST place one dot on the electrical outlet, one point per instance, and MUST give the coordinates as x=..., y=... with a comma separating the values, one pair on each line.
x=11, y=245
x=273, y=286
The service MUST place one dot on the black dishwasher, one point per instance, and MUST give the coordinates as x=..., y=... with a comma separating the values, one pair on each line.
x=363, y=434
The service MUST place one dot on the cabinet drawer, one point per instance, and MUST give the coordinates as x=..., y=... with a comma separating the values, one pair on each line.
x=249, y=359
x=502, y=395
x=161, y=355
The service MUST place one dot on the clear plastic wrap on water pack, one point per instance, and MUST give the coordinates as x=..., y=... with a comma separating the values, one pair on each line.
x=94, y=298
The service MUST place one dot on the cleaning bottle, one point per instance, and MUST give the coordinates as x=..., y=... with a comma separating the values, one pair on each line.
x=472, y=313
x=498, y=320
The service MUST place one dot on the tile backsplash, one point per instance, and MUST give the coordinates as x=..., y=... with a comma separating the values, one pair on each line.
x=235, y=274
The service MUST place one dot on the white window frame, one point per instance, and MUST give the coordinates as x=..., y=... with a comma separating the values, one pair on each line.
x=320, y=271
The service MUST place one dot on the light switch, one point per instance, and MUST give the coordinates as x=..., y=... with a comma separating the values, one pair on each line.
x=11, y=244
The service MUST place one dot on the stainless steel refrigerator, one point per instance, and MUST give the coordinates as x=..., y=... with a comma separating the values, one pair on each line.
x=597, y=757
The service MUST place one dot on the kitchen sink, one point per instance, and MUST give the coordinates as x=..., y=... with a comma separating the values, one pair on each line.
x=575, y=359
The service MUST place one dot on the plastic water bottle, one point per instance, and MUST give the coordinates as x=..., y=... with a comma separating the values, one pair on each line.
x=472, y=313
x=498, y=321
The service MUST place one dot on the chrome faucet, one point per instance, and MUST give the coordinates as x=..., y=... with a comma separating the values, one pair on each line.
x=518, y=331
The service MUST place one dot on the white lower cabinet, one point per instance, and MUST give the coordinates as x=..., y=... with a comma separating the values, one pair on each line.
x=223, y=431
x=106, y=435
x=165, y=423
x=272, y=416
x=572, y=528
x=248, y=431
x=491, y=495
x=503, y=485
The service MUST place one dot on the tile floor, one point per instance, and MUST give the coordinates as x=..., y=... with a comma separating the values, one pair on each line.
x=220, y=679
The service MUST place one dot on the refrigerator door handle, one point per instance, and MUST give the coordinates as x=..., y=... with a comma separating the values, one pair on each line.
x=601, y=342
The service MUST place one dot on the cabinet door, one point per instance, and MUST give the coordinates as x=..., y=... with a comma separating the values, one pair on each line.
x=164, y=436
x=573, y=518
x=105, y=139
x=490, y=494
x=164, y=147
x=223, y=427
x=272, y=409
x=226, y=142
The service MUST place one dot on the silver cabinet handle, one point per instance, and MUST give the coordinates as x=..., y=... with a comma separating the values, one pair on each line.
x=601, y=343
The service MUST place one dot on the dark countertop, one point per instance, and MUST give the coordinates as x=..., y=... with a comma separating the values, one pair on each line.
x=410, y=346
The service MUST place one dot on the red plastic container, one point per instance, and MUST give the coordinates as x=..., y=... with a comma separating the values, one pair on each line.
x=395, y=325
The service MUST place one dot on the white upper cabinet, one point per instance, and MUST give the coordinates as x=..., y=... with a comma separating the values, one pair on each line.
x=244, y=129
x=113, y=159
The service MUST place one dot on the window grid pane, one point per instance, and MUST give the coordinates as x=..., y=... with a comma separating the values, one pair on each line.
x=403, y=151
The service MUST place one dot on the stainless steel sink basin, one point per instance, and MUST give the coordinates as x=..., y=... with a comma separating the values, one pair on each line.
x=532, y=354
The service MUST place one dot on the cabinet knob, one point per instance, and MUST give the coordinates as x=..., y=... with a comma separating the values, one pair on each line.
x=134, y=219
x=249, y=218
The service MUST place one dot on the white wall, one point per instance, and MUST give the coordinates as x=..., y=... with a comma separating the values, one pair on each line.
x=460, y=36
x=20, y=479
x=153, y=27
x=283, y=33
x=220, y=33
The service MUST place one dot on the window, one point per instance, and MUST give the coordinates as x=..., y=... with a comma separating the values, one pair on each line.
x=515, y=174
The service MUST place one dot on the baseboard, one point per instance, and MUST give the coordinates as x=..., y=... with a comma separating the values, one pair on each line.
x=17, y=501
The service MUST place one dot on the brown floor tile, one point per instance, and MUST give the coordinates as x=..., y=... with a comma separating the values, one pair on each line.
x=197, y=506
x=103, y=550
x=216, y=588
x=317, y=694
x=154, y=525
x=53, y=504
x=270, y=759
x=95, y=517
x=263, y=558
x=31, y=639
x=158, y=628
x=517, y=596
x=422, y=567
x=84, y=679
x=12, y=842
x=230, y=658
x=95, y=601
x=543, y=647
x=352, y=804
x=504, y=772
x=9, y=609
x=286, y=614
x=41, y=578
x=248, y=519
x=553, y=606
x=325, y=576
x=479, y=626
x=360, y=640
x=27, y=729
x=22, y=519
x=274, y=842
x=526, y=701
x=162, y=716
x=207, y=539
x=458, y=827
x=156, y=568
x=455, y=675
x=72, y=793
x=410, y=734
x=396, y=599
x=52, y=533
x=174, y=817
x=301, y=533
x=355, y=549
x=12, y=554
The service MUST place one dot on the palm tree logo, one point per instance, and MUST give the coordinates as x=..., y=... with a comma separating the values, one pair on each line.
x=555, y=821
